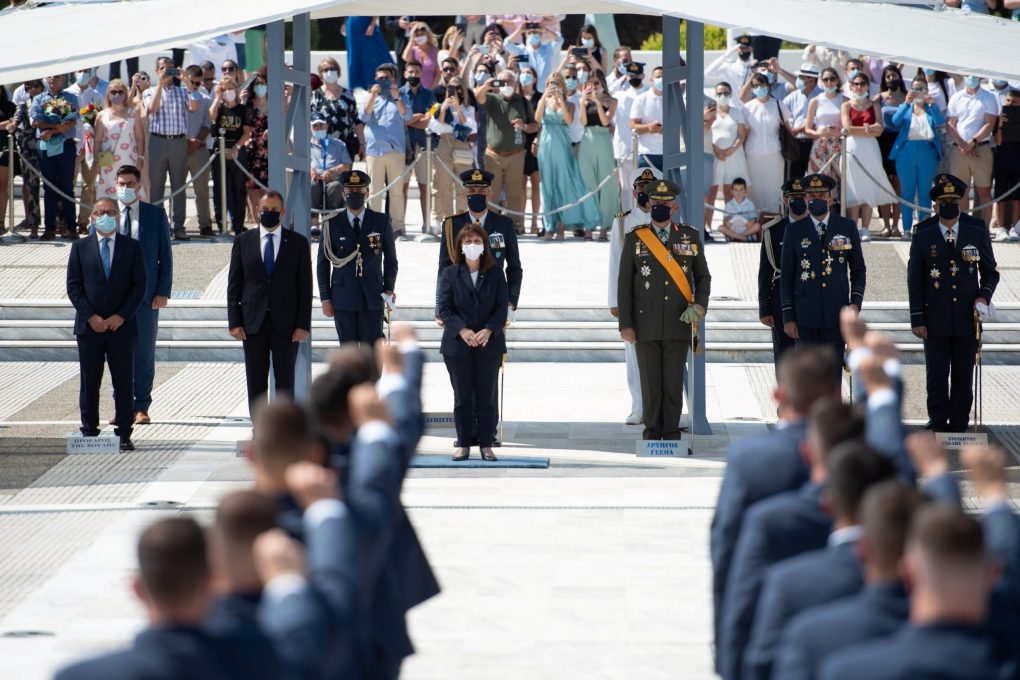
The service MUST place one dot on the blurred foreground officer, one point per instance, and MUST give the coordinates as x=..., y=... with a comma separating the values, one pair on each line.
x=951, y=276
x=950, y=578
x=627, y=222
x=106, y=285
x=770, y=300
x=269, y=298
x=357, y=264
x=663, y=288
x=472, y=304
x=819, y=252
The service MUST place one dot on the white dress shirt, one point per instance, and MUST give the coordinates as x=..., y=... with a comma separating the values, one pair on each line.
x=263, y=233
x=134, y=219
x=99, y=245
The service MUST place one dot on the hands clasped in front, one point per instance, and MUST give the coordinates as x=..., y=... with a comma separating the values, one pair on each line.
x=100, y=325
x=475, y=338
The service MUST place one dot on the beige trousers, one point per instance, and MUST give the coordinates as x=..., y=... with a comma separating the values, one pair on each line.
x=383, y=170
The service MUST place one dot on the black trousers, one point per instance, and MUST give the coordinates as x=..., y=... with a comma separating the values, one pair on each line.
x=132, y=68
x=259, y=349
x=116, y=348
x=949, y=369
x=364, y=326
x=474, y=378
x=799, y=167
x=780, y=340
x=661, y=367
x=237, y=193
x=824, y=336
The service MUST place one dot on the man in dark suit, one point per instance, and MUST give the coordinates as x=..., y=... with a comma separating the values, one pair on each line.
x=986, y=467
x=819, y=253
x=357, y=264
x=950, y=578
x=269, y=298
x=823, y=575
x=147, y=224
x=770, y=301
x=759, y=467
x=878, y=610
x=951, y=276
x=106, y=284
x=781, y=527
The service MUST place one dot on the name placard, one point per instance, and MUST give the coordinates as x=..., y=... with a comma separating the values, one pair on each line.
x=439, y=420
x=78, y=443
x=958, y=440
x=242, y=445
x=673, y=448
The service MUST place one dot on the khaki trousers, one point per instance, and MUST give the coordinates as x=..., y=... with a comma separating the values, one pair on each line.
x=200, y=183
x=88, y=190
x=383, y=170
x=447, y=198
x=509, y=176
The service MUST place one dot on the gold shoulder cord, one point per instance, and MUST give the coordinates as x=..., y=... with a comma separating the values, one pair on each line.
x=448, y=230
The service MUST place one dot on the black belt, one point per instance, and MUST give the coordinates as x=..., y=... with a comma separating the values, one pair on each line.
x=156, y=134
x=984, y=143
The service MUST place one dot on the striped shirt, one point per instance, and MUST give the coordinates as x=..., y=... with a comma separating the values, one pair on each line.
x=172, y=117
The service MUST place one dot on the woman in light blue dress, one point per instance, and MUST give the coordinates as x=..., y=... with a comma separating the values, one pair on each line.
x=366, y=50
x=561, y=179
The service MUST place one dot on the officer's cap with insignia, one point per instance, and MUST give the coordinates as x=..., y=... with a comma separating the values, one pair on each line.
x=793, y=187
x=645, y=175
x=744, y=41
x=817, y=184
x=947, y=187
x=663, y=190
x=635, y=68
x=355, y=179
x=476, y=177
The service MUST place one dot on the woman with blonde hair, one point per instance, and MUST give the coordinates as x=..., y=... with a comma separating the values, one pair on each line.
x=423, y=48
x=452, y=45
x=119, y=140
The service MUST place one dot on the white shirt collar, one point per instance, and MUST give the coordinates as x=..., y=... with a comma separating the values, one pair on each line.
x=133, y=206
x=263, y=232
x=850, y=534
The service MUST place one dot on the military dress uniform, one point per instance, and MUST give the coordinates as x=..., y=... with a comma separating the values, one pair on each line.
x=823, y=271
x=950, y=267
x=651, y=304
x=770, y=300
x=357, y=262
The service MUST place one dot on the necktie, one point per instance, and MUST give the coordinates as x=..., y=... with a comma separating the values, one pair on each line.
x=950, y=239
x=821, y=229
x=125, y=227
x=357, y=227
x=104, y=253
x=268, y=256
x=663, y=235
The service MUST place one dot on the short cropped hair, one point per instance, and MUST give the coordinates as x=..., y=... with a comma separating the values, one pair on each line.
x=329, y=392
x=831, y=422
x=129, y=170
x=886, y=512
x=283, y=433
x=173, y=560
x=739, y=182
x=807, y=374
x=243, y=515
x=853, y=468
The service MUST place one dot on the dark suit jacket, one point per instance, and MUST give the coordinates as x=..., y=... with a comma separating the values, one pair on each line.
x=234, y=617
x=502, y=243
x=285, y=299
x=348, y=291
x=793, y=586
x=943, y=302
x=815, y=301
x=154, y=237
x=462, y=305
x=775, y=529
x=1002, y=538
x=879, y=610
x=91, y=293
x=770, y=300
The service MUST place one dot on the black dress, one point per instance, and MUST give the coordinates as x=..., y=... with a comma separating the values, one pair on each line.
x=530, y=161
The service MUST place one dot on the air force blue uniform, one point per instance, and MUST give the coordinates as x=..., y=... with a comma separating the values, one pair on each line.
x=770, y=299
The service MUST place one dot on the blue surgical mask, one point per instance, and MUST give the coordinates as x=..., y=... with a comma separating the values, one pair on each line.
x=588, y=42
x=771, y=76
x=972, y=82
x=830, y=89
x=800, y=84
x=571, y=83
x=534, y=39
x=126, y=194
x=261, y=90
x=582, y=76
x=527, y=78
x=106, y=224
x=657, y=83
x=481, y=77
x=853, y=74
x=929, y=71
x=320, y=134
x=761, y=92
x=83, y=77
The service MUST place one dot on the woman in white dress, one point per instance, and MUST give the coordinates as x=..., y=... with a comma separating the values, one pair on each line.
x=824, y=123
x=866, y=182
x=729, y=132
x=765, y=162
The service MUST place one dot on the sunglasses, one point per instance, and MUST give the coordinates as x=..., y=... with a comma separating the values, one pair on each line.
x=117, y=92
x=229, y=69
x=830, y=80
x=196, y=83
x=860, y=83
x=449, y=70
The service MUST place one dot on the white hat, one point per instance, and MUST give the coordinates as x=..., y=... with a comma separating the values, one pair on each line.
x=808, y=69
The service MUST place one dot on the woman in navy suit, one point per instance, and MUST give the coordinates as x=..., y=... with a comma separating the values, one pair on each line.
x=473, y=299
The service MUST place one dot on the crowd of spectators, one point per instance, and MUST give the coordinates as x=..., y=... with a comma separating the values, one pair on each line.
x=552, y=116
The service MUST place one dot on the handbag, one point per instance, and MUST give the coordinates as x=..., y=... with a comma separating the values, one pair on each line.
x=787, y=142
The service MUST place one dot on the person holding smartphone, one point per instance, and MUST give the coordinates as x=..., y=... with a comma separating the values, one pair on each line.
x=595, y=153
x=917, y=150
x=457, y=128
x=386, y=113
x=541, y=46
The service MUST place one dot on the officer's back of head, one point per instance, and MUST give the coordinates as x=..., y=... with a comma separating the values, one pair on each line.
x=173, y=571
x=283, y=435
x=830, y=422
x=240, y=518
x=886, y=513
x=349, y=367
x=806, y=374
x=853, y=469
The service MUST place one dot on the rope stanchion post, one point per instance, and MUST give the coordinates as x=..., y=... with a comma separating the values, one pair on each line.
x=225, y=234
x=427, y=217
x=12, y=237
x=633, y=150
x=842, y=173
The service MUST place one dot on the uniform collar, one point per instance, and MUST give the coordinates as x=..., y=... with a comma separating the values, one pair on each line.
x=351, y=216
x=955, y=226
x=481, y=218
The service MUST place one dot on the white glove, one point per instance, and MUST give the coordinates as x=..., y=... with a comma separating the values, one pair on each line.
x=985, y=312
x=389, y=301
x=511, y=314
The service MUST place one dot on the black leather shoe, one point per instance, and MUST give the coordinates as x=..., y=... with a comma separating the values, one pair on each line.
x=181, y=235
x=205, y=231
x=497, y=443
x=126, y=444
x=935, y=427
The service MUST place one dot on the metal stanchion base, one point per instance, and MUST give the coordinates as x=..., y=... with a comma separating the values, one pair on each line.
x=427, y=238
x=223, y=237
x=13, y=239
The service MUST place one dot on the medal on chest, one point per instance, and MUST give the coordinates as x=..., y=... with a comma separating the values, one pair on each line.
x=971, y=256
x=954, y=268
x=935, y=275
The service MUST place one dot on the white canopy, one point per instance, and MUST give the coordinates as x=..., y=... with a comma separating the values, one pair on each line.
x=58, y=38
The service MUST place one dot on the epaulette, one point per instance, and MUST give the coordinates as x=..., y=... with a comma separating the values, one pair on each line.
x=622, y=214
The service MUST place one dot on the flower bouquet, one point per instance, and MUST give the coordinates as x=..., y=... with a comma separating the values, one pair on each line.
x=89, y=113
x=57, y=110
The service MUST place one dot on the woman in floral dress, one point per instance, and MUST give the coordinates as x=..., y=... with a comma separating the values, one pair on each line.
x=119, y=140
x=257, y=145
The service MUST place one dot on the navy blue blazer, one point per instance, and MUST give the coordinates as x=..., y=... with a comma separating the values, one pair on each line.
x=234, y=617
x=811, y=297
x=794, y=586
x=91, y=293
x=1002, y=538
x=770, y=301
x=943, y=651
x=756, y=468
x=939, y=298
x=462, y=304
x=775, y=529
x=879, y=610
x=154, y=237
x=285, y=299
x=343, y=287
x=502, y=243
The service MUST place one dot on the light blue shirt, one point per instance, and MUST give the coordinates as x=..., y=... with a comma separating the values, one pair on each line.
x=385, y=129
x=543, y=59
x=199, y=119
x=329, y=153
x=37, y=113
x=798, y=102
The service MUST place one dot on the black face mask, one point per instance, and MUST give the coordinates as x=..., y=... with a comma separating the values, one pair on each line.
x=817, y=207
x=269, y=218
x=355, y=200
x=642, y=199
x=798, y=206
x=635, y=82
x=413, y=81
x=743, y=56
x=949, y=211
x=477, y=202
x=660, y=213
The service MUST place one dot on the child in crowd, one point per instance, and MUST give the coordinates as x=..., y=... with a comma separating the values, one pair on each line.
x=741, y=220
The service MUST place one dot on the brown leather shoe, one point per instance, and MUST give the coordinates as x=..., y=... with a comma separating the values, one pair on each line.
x=112, y=421
x=142, y=418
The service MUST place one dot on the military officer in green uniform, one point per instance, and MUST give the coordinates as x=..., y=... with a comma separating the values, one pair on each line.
x=663, y=288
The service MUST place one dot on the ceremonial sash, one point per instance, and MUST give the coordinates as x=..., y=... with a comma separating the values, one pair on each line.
x=671, y=266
